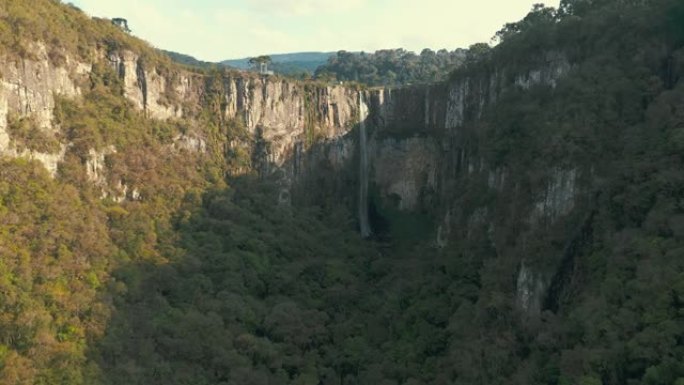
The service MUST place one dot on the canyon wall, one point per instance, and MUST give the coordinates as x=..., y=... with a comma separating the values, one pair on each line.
x=281, y=112
x=382, y=150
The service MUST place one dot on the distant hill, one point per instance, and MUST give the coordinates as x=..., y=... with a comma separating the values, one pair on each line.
x=188, y=60
x=289, y=63
x=389, y=67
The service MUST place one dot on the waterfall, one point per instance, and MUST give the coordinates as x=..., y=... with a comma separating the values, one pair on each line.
x=364, y=223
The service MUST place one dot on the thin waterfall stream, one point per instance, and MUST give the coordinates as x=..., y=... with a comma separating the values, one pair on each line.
x=364, y=223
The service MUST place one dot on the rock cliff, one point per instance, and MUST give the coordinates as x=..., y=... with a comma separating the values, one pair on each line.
x=286, y=115
x=401, y=150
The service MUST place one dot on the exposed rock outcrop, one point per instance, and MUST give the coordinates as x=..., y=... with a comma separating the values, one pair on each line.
x=285, y=113
x=28, y=87
x=405, y=170
x=405, y=144
x=530, y=290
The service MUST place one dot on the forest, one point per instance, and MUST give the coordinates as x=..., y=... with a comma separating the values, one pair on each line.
x=388, y=68
x=391, y=67
x=205, y=279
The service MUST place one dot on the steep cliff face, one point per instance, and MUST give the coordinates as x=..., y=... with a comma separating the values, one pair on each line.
x=524, y=221
x=403, y=148
x=284, y=109
x=284, y=116
x=426, y=158
x=419, y=141
x=412, y=150
x=283, y=113
x=418, y=138
x=28, y=88
x=147, y=89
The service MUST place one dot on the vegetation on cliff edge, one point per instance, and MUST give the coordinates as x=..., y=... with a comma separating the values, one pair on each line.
x=204, y=279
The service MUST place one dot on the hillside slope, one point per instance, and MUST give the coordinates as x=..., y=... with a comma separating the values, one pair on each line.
x=161, y=225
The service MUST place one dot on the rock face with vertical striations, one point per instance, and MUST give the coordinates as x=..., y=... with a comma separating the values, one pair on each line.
x=28, y=88
x=396, y=150
x=519, y=222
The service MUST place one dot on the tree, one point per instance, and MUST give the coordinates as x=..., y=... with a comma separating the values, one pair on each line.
x=260, y=63
x=539, y=15
x=391, y=67
x=477, y=52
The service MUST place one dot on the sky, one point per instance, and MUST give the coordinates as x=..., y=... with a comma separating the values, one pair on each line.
x=215, y=30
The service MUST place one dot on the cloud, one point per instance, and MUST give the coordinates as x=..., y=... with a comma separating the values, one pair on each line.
x=216, y=30
x=304, y=7
x=242, y=31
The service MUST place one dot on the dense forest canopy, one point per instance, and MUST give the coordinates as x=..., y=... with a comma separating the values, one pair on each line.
x=391, y=67
x=205, y=279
